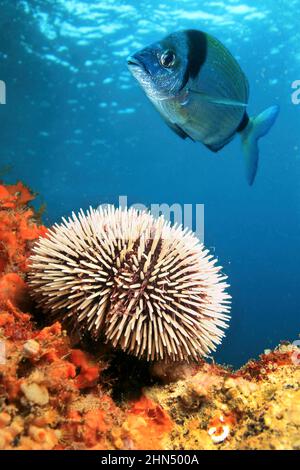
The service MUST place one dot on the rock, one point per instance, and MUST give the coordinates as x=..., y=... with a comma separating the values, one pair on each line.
x=31, y=348
x=35, y=393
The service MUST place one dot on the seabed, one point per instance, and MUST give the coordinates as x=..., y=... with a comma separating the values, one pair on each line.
x=54, y=395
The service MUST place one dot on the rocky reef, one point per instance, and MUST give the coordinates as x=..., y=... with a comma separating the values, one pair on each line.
x=57, y=395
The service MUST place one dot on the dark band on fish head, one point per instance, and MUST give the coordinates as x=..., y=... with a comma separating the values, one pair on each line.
x=197, y=53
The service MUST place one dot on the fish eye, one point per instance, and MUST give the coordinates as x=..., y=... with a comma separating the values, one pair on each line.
x=167, y=59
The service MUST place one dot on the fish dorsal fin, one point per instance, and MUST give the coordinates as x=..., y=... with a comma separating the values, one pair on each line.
x=217, y=99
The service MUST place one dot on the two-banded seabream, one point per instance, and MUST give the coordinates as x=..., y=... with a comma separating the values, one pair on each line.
x=201, y=92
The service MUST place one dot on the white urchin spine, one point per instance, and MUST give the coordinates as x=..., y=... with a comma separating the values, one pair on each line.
x=145, y=286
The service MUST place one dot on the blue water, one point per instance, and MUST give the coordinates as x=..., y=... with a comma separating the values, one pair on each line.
x=79, y=131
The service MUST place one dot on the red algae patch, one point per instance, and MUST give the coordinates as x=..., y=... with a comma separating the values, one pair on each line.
x=17, y=228
x=89, y=372
x=147, y=423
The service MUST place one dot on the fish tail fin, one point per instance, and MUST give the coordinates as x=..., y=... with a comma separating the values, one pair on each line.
x=257, y=127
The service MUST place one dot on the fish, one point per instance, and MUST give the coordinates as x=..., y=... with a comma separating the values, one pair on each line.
x=202, y=93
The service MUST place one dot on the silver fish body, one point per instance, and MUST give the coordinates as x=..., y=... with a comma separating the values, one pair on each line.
x=201, y=92
x=218, y=75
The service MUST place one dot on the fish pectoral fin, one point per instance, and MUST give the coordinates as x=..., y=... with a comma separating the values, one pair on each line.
x=218, y=100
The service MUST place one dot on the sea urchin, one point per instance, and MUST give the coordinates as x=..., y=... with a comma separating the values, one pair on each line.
x=139, y=283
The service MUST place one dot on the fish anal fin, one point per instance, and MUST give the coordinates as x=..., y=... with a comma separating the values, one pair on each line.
x=215, y=148
x=177, y=129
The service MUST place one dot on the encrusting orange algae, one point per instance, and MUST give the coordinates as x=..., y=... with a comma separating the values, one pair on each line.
x=57, y=396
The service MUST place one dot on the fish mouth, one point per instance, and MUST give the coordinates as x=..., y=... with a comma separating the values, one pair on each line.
x=133, y=62
x=135, y=65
